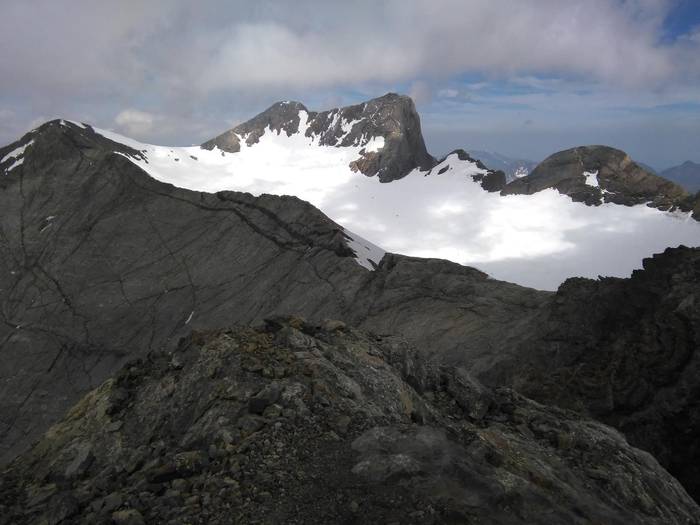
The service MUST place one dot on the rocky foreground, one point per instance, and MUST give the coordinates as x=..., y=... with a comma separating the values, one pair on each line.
x=293, y=422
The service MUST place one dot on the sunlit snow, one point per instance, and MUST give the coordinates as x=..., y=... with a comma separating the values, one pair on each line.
x=367, y=254
x=535, y=240
x=75, y=123
x=591, y=178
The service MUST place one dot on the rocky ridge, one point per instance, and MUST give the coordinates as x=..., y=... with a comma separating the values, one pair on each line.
x=598, y=174
x=630, y=357
x=294, y=422
x=489, y=180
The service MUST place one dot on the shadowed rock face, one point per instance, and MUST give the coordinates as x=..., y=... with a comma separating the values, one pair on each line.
x=392, y=116
x=100, y=263
x=299, y=423
x=626, y=351
x=620, y=180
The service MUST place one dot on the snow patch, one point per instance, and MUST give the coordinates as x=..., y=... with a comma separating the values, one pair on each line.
x=591, y=178
x=17, y=154
x=367, y=254
x=374, y=144
x=346, y=127
x=79, y=124
x=520, y=172
x=15, y=164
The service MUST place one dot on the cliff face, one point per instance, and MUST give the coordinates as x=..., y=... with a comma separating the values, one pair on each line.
x=625, y=351
x=293, y=422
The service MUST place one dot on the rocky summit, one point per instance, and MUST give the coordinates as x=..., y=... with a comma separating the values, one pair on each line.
x=293, y=422
x=597, y=174
x=629, y=357
x=392, y=117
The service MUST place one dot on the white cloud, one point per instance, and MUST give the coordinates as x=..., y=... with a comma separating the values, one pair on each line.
x=421, y=92
x=135, y=122
x=599, y=39
x=219, y=46
x=448, y=93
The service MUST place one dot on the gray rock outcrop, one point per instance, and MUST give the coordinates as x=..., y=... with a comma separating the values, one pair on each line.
x=336, y=435
x=627, y=352
x=620, y=180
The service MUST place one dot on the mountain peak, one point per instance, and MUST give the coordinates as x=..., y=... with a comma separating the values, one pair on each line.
x=391, y=119
x=595, y=174
x=57, y=138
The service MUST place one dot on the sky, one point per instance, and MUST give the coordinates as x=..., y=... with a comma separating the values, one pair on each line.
x=524, y=78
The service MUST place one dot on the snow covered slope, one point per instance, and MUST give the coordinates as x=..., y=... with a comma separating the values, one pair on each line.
x=535, y=240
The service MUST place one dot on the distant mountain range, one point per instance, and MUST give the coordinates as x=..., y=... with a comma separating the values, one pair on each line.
x=686, y=174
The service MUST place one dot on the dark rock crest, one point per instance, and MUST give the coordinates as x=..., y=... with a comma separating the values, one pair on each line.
x=294, y=422
x=620, y=180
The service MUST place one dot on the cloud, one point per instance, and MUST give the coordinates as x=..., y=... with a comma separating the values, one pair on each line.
x=134, y=122
x=228, y=45
x=421, y=92
x=448, y=93
x=600, y=39
x=197, y=67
